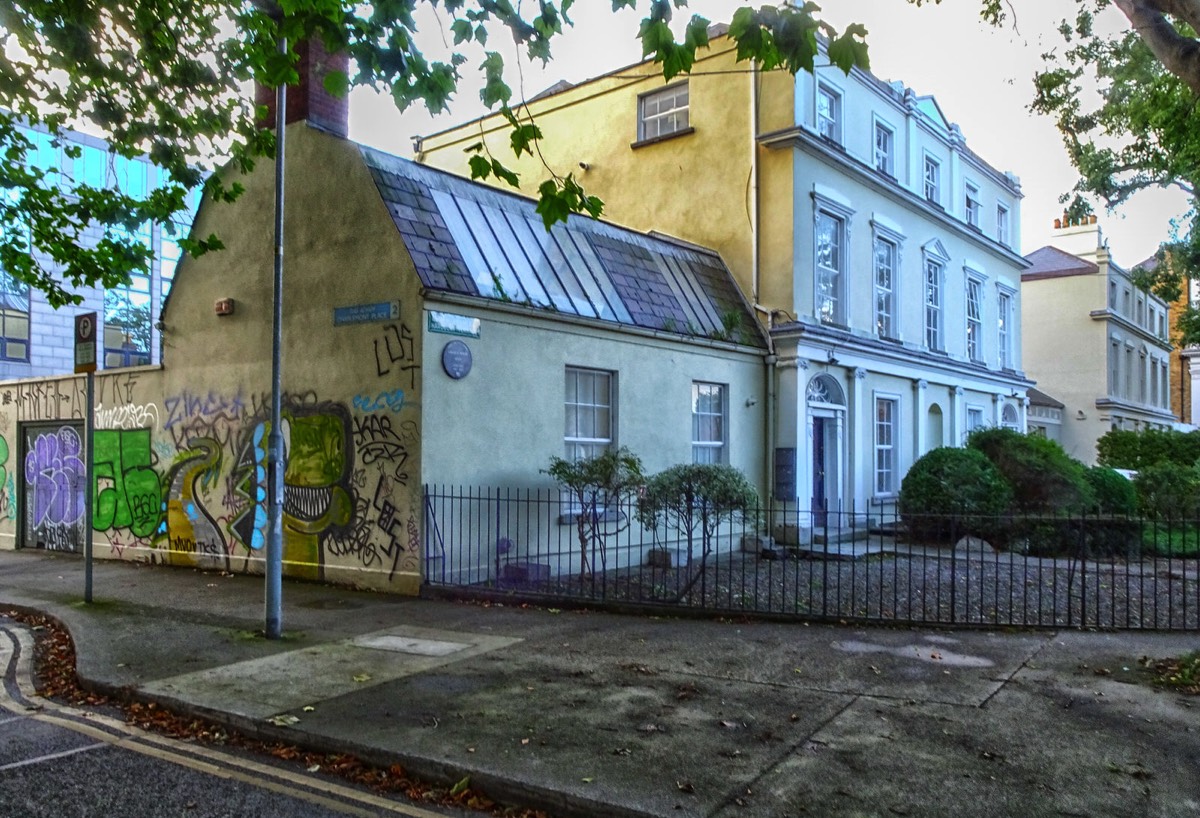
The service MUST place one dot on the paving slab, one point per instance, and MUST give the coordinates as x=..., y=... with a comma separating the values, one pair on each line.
x=584, y=713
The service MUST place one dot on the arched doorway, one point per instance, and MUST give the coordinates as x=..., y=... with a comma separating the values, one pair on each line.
x=826, y=420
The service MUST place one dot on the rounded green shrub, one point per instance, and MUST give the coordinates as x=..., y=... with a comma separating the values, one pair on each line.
x=1168, y=491
x=1044, y=479
x=1112, y=491
x=951, y=492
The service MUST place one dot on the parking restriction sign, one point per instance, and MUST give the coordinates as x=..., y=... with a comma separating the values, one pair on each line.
x=85, y=342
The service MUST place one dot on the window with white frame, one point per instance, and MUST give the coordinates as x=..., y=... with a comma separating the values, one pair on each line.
x=974, y=418
x=663, y=112
x=933, y=303
x=933, y=180
x=974, y=319
x=1009, y=417
x=829, y=113
x=708, y=422
x=885, y=445
x=885, y=287
x=830, y=258
x=589, y=412
x=1004, y=328
x=1003, y=226
x=885, y=139
x=972, y=206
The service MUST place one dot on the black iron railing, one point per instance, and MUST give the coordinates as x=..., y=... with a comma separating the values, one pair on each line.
x=1081, y=571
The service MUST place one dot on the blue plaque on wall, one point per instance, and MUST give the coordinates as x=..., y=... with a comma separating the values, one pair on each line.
x=456, y=359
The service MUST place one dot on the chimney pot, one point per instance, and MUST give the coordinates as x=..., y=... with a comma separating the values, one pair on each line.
x=1057, y=224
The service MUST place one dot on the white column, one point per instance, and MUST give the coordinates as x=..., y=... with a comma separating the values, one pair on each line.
x=862, y=436
x=956, y=437
x=919, y=419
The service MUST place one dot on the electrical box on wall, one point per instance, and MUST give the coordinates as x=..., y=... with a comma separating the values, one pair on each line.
x=223, y=306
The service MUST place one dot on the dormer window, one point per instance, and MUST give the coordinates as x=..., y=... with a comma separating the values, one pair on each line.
x=663, y=112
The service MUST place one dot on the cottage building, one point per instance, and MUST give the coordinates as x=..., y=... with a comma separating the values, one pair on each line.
x=434, y=333
x=876, y=247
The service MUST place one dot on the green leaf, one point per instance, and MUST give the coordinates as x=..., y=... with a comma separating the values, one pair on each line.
x=480, y=167
x=850, y=49
x=495, y=90
x=461, y=786
x=336, y=83
x=505, y=174
x=463, y=31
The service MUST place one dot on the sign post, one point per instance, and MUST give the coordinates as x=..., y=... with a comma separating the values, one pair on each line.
x=85, y=361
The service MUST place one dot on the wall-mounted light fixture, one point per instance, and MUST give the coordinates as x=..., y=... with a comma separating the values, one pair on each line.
x=223, y=306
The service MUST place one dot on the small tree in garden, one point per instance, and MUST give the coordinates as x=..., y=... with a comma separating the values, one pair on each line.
x=597, y=485
x=695, y=499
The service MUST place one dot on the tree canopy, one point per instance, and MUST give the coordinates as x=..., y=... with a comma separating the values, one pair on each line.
x=167, y=78
x=1126, y=106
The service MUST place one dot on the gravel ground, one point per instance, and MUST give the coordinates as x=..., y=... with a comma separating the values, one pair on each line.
x=932, y=586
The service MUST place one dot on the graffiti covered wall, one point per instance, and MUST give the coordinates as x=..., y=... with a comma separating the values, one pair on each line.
x=180, y=452
x=181, y=479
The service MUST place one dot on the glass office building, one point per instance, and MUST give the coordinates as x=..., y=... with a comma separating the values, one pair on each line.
x=35, y=338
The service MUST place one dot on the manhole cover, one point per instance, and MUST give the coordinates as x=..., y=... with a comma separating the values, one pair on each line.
x=409, y=644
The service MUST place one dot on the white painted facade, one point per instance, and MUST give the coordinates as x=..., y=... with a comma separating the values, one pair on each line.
x=904, y=332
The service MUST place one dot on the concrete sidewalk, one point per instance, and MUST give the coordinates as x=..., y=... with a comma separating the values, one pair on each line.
x=584, y=713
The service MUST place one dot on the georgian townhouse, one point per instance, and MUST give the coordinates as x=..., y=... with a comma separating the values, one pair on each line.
x=1095, y=340
x=879, y=250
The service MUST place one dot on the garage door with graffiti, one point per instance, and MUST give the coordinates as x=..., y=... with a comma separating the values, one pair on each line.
x=55, y=479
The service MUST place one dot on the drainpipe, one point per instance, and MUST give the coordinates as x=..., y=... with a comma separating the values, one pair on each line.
x=754, y=283
x=771, y=358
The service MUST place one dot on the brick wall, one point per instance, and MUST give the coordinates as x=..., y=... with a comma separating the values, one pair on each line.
x=308, y=100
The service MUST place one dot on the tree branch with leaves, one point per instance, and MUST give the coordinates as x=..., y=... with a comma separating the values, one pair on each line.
x=166, y=78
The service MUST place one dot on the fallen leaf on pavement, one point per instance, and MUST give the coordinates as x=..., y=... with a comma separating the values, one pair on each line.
x=362, y=677
x=283, y=720
x=685, y=786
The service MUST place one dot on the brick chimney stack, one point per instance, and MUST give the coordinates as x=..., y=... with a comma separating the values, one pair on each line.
x=308, y=100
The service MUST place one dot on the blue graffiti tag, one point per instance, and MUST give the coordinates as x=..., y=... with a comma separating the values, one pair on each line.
x=392, y=401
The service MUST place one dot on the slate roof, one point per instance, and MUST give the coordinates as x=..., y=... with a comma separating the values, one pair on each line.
x=471, y=239
x=1050, y=262
x=1039, y=398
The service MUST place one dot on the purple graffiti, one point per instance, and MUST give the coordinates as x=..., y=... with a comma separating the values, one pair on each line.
x=56, y=477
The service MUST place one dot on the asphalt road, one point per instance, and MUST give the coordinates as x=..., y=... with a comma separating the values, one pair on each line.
x=60, y=762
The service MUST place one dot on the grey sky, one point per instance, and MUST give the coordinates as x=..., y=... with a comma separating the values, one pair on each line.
x=982, y=78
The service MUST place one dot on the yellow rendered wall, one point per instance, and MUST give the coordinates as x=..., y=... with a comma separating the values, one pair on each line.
x=180, y=452
x=695, y=186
